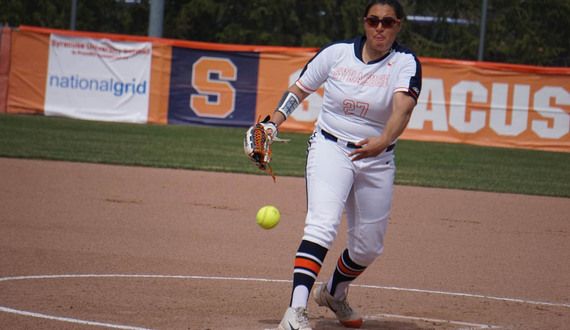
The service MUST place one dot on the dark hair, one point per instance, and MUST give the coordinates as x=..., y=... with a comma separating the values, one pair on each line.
x=395, y=4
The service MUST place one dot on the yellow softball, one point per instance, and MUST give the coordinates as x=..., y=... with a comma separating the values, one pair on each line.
x=268, y=217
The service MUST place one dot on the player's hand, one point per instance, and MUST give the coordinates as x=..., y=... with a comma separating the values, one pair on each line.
x=270, y=129
x=371, y=147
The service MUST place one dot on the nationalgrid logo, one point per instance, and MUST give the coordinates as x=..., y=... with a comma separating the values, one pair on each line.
x=116, y=88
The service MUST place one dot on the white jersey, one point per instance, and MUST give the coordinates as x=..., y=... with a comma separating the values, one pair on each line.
x=357, y=102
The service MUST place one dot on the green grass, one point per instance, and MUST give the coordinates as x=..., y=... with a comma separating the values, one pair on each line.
x=221, y=149
x=483, y=168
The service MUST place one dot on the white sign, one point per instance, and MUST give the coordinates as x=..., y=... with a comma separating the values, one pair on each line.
x=98, y=79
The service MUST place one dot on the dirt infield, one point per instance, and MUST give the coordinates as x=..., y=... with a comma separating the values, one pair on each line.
x=87, y=246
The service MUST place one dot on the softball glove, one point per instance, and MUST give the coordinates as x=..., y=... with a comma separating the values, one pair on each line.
x=257, y=144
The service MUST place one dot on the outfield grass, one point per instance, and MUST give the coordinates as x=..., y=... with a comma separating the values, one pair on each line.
x=221, y=149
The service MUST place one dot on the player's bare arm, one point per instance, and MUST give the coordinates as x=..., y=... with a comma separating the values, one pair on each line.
x=403, y=105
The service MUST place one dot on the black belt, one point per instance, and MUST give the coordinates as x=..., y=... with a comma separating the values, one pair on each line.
x=351, y=145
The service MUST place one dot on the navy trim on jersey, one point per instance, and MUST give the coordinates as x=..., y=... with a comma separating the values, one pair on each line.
x=416, y=81
x=415, y=86
x=359, y=47
x=348, y=41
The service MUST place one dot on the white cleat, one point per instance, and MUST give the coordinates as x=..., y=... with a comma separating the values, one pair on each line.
x=295, y=319
x=344, y=313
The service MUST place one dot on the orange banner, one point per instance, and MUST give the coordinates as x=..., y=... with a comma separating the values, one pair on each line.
x=276, y=73
x=28, y=72
x=478, y=103
x=493, y=105
x=5, y=46
x=486, y=104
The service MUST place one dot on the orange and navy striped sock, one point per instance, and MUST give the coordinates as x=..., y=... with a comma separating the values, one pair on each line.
x=308, y=263
x=346, y=271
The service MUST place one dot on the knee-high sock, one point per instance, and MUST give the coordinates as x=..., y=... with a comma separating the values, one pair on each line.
x=308, y=263
x=346, y=271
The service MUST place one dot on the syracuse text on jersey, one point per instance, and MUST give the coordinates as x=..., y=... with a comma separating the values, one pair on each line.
x=364, y=79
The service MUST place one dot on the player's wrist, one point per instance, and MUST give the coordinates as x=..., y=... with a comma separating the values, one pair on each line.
x=288, y=103
x=278, y=118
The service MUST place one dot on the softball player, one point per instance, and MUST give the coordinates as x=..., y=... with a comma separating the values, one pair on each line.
x=371, y=86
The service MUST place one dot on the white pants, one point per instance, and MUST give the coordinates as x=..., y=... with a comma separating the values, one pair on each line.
x=363, y=189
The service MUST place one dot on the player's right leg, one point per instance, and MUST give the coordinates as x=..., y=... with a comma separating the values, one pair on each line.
x=329, y=178
x=308, y=262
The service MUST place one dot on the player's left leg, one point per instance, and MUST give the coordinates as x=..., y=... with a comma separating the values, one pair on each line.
x=368, y=209
x=345, y=272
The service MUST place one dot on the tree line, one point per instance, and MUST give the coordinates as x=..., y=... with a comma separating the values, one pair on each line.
x=532, y=32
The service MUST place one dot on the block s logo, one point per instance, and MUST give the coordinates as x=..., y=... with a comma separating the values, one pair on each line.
x=212, y=78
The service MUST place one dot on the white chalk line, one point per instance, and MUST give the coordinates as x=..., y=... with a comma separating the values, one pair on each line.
x=70, y=320
x=459, y=294
x=78, y=321
x=427, y=319
x=128, y=327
